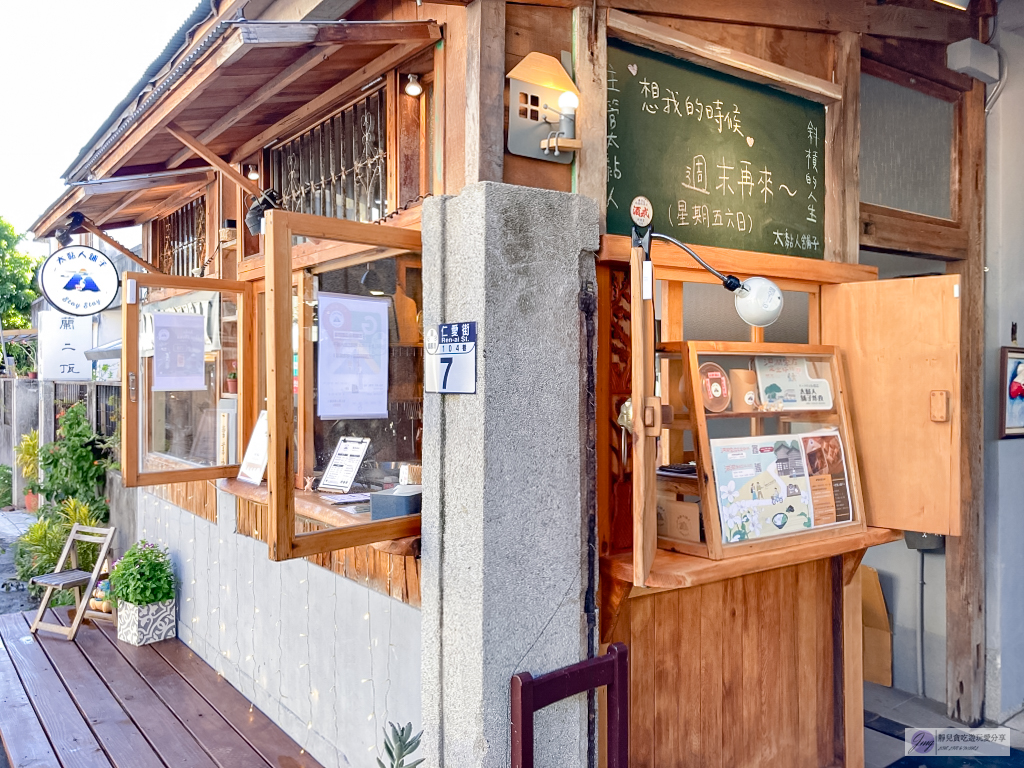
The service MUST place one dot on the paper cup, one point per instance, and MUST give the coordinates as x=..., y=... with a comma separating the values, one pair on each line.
x=744, y=390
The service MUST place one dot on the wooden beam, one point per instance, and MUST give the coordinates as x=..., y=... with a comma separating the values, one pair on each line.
x=965, y=554
x=379, y=33
x=842, y=154
x=280, y=412
x=662, y=39
x=57, y=212
x=590, y=62
x=340, y=230
x=615, y=248
x=851, y=659
x=259, y=97
x=283, y=34
x=173, y=203
x=327, y=100
x=924, y=59
x=485, y=89
x=144, y=181
x=889, y=229
x=215, y=160
x=938, y=24
x=125, y=202
x=908, y=80
x=88, y=226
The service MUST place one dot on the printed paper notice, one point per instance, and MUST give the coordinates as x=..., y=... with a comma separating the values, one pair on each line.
x=345, y=463
x=784, y=383
x=255, y=462
x=762, y=486
x=826, y=466
x=178, y=349
x=352, y=369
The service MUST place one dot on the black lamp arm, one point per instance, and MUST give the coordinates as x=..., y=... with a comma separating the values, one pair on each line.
x=731, y=282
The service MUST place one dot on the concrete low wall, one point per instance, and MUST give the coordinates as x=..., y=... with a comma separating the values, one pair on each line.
x=326, y=659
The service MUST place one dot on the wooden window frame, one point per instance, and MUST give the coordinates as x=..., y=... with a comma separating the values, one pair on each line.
x=894, y=230
x=132, y=398
x=280, y=227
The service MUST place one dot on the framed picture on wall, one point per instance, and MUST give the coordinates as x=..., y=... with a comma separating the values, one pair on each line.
x=1011, y=403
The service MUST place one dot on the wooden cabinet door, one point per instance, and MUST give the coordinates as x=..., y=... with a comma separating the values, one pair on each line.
x=899, y=342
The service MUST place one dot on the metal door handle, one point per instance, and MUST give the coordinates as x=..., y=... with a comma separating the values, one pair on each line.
x=132, y=387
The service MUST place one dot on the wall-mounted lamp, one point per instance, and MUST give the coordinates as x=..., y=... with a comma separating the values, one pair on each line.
x=539, y=84
x=758, y=300
x=413, y=87
x=64, y=238
x=252, y=172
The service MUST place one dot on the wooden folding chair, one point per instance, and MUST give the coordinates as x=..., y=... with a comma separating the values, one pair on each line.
x=75, y=579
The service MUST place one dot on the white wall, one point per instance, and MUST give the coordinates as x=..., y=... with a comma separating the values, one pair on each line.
x=329, y=660
x=1004, y=459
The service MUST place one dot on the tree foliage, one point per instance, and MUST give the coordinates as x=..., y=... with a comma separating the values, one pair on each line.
x=17, y=279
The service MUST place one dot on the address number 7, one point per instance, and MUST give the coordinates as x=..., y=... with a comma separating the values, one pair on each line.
x=447, y=363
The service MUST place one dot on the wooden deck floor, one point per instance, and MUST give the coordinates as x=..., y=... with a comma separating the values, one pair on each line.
x=97, y=703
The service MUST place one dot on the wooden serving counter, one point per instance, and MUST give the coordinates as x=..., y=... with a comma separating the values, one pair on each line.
x=397, y=536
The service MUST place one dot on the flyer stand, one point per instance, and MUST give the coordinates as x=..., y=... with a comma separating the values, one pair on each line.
x=776, y=463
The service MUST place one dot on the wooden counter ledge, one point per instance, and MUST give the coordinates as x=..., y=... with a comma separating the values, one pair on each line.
x=398, y=535
x=675, y=571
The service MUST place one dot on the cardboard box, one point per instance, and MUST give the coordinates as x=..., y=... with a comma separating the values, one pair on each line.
x=678, y=520
x=877, y=630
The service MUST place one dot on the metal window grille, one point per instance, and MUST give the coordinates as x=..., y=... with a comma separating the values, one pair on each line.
x=108, y=408
x=338, y=168
x=182, y=239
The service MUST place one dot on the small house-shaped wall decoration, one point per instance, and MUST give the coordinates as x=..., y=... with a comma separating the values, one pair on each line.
x=535, y=85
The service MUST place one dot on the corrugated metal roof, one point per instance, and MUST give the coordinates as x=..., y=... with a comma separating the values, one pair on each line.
x=178, y=41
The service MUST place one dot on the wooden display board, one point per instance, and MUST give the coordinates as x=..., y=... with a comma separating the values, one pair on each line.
x=781, y=515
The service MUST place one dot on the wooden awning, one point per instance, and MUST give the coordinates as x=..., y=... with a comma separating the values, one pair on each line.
x=125, y=200
x=262, y=82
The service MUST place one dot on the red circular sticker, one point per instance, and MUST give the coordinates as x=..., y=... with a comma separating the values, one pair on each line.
x=641, y=211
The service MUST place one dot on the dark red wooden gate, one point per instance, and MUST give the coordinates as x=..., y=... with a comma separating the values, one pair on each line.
x=530, y=694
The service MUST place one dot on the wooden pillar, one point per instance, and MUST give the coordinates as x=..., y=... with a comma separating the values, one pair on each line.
x=842, y=222
x=485, y=90
x=965, y=554
x=590, y=65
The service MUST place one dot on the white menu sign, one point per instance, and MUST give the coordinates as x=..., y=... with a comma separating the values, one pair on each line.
x=352, y=367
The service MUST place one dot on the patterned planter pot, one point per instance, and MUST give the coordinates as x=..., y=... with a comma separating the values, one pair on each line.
x=144, y=624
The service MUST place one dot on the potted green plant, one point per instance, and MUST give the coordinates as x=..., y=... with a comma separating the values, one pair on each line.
x=232, y=383
x=26, y=455
x=142, y=587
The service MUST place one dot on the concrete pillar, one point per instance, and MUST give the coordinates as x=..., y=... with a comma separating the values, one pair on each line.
x=508, y=471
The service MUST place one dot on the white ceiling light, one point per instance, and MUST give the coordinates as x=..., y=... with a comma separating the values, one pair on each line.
x=413, y=87
x=960, y=5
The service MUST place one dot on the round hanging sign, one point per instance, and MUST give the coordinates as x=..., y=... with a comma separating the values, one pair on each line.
x=641, y=211
x=79, y=280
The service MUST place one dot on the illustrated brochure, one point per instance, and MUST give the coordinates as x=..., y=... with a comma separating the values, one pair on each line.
x=777, y=484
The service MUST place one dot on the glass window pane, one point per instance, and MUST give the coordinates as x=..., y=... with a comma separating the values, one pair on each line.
x=187, y=345
x=906, y=140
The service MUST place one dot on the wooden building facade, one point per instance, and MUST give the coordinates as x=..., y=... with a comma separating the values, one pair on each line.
x=746, y=660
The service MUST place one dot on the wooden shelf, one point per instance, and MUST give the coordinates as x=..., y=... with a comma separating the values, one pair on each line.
x=563, y=144
x=686, y=484
x=397, y=535
x=797, y=415
x=675, y=571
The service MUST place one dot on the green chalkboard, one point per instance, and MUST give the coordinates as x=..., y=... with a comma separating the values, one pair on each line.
x=724, y=161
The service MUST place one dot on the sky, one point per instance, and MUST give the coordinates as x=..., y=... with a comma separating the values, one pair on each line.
x=64, y=66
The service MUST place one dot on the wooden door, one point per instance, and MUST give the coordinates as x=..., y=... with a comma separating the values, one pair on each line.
x=900, y=344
